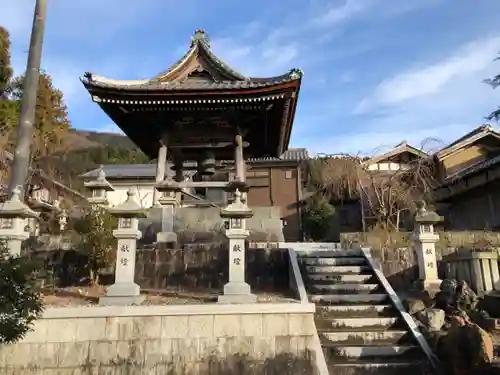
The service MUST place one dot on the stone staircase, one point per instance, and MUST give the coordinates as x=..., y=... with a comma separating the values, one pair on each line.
x=360, y=329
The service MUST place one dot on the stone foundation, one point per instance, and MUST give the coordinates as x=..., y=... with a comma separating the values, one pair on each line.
x=204, y=340
x=195, y=224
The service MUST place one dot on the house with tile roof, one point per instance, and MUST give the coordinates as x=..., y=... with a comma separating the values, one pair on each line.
x=468, y=194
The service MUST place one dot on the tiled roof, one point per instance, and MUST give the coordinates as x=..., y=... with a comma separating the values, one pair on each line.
x=199, y=45
x=473, y=169
x=149, y=170
x=96, y=81
x=469, y=138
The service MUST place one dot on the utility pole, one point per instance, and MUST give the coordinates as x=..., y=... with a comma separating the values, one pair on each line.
x=22, y=152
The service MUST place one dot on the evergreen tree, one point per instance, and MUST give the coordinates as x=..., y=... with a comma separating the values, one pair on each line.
x=8, y=108
x=96, y=241
x=5, y=64
x=51, y=116
x=20, y=304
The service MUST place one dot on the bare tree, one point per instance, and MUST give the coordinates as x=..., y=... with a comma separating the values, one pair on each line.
x=386, y=196
x=142, y=196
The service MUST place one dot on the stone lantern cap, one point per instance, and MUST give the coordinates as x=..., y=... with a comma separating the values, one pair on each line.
x=130, y=208
x=100, y=182
x=426, y=217
x=14, y=207
x=234, y=185
x=237, y=209
x=168, y=186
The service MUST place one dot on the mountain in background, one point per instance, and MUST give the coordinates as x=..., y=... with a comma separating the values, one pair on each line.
x=85, y=150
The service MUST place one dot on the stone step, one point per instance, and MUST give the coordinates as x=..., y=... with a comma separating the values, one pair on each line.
x=337, y=269
x=345, y=288
x=314, y=245
x=339, y=278
x=356, y=311
x=361, y=324
x=357, y=366
x=330, y=253
x=368, y=351
x=341, y=261
x=380, y=337
x=360, y=299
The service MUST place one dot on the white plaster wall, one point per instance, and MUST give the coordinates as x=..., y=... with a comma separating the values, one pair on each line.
x=143, y=190
x=145, y=339
x=387, y=167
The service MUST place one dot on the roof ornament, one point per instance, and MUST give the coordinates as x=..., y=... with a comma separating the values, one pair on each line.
x=200, y=36
x=16, y=194
x=296, y=73
x=102, y=174
x=88, y=76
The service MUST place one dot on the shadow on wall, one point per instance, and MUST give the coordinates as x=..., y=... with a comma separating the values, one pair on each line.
x=198, y=267
x=398, y=266
x=205, y=268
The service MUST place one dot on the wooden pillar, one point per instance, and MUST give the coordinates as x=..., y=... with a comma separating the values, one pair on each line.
x=161, y=164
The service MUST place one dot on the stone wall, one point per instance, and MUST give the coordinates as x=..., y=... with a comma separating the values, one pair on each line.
x=195, y=267
x=394, y=253
x=174, y=340
x=205, y=267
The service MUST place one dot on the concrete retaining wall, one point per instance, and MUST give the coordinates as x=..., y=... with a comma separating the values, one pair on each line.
x=265, y=224
x=204, y=339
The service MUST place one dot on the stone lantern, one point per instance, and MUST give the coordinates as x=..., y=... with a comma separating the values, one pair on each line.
x=125, y=291
x=168, y=190
x=425, y=246
x=13, y=215
x=236, y=213
x=99, y=189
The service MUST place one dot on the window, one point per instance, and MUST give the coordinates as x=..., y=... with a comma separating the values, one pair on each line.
x=288, y=174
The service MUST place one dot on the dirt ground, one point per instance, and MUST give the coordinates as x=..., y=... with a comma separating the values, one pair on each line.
x=89, y=296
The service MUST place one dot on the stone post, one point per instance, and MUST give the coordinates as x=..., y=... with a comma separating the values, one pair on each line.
x=125, y=291
x=425, y=247
x=161, y=165
x=99, y=189
x=237, y=290
x=168, y=201
x=13, y=215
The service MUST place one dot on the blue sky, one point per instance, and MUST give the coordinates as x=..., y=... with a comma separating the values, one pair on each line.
x=376, y=71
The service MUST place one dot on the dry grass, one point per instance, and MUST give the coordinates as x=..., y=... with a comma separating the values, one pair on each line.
x=89, y=296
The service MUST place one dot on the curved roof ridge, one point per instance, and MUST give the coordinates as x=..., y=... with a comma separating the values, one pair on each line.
x=91, y=77
x=200, y=43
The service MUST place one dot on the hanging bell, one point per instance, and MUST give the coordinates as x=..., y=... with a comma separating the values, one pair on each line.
x=206, y=165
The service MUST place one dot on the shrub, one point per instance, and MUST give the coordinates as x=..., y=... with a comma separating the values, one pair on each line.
x=20, y=303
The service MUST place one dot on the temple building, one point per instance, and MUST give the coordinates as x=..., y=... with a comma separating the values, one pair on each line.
x=206, y=124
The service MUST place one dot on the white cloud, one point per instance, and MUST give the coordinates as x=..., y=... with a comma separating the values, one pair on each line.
x=336, y=13
x=370, y=143
x=433, y=79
